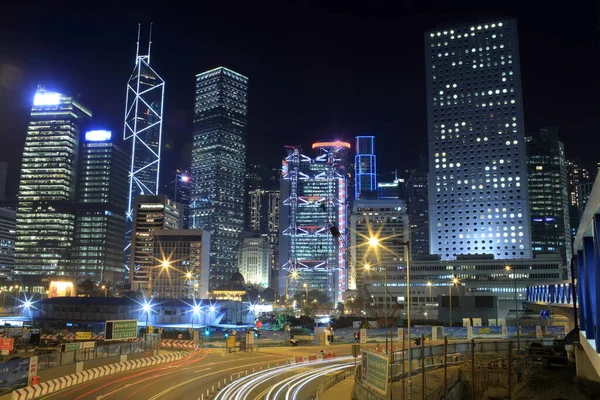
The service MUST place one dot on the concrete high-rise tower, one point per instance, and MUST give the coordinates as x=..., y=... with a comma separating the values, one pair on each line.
x=477, y=166
x=219, y=166
x=46, y=207
x=143, y=128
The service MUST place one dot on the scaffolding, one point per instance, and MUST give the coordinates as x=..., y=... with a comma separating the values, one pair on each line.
x=317, y=218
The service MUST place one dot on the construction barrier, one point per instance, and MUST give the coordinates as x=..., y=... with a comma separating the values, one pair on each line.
x=45, y=388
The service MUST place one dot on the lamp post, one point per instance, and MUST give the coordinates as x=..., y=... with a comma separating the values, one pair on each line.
x=429, y=285
x=508, y=268
x=374, y=242
x=294, y=275
x=147, y=308
x=105, y=289
x=196, y=311
x=454, y=282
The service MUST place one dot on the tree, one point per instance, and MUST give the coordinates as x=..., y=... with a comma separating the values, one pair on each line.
x=86, y=287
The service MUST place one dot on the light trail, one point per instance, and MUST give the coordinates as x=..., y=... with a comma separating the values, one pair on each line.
x=242, y=388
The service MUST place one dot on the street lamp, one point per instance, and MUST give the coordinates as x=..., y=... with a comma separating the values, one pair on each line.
x=105, y=289
x=196, y=311
x=147, y=307
x=374, y=243
x=294, y=275
x=507, y=269
x=306, y=290
x=429, y=285
x=454, y=282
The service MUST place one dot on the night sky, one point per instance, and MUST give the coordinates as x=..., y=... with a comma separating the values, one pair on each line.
x=325, y=71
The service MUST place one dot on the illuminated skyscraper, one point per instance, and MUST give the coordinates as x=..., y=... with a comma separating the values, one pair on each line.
x=179, y=190
x=46, y=207
x=548, y=194
x=314, y=220
x=102, y=201
x=143, y=128
x=418, y=213
x=477, y=169
x=218, y=166
x=365, y=167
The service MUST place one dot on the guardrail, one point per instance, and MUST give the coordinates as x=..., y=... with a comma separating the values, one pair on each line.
x=334, y=380
x=46, y=361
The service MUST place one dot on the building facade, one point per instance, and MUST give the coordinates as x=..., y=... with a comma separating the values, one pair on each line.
x=101, y=207
x=185, y=273
x=8, y=219
x=179, y=190
x=477, y=276
x=385, y=219
x=417, y=203
x=254, y=260
x=151, y=213
x=314, y=220
x=365, y=166
x=548, y=194
x=3, y=178
x=477, y=163
x=218, y=166
x=46, y=205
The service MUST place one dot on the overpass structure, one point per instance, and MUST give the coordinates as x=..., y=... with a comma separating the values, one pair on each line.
x=586, y=272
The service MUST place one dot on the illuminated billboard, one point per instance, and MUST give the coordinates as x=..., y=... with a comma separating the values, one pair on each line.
x=98, y=135
x=46, y=99
x=61, y=289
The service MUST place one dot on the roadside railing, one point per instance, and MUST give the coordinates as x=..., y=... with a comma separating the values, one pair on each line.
x=46, y=361
x=334, y=380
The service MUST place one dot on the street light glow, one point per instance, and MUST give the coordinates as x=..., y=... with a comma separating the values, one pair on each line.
x=294, y=274
x=373, y=241
x=147, y=307
x=27, y=304
x=165, y=264
x=429, y=283
x=212, y=308
x=188, y=275
x=455, y=280
x=196, y=309
x=367, y=266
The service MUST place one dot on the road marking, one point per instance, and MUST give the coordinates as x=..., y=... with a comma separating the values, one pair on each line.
x=198, y=378
x=205, y=369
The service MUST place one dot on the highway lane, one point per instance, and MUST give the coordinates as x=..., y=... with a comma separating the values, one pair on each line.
x=186, y=378
x=290, y=382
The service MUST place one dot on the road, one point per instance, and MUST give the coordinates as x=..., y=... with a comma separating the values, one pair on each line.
x=290, y=382
x=191, y=377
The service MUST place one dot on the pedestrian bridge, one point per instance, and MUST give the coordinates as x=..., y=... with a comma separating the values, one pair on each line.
x=586, y=267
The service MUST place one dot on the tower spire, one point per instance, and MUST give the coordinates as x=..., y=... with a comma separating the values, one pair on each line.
x=137, y=45
x=149, y=42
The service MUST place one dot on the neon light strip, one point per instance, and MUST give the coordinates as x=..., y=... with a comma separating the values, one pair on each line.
x=331, y=144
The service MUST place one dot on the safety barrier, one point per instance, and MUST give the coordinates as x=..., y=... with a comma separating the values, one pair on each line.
x=334, y=380
x=45, y=388
x=175, y=343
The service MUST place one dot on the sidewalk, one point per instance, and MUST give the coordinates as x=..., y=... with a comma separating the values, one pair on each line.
x=341, y=391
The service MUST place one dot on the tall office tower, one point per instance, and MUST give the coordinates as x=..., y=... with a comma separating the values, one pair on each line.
x=150, y=214
x=548, y=195
x=3, y=177
x=7, y=241
x=219, y=166
x=143, y=128
x=365, y=167
x=418, y=213
x=576, y=175
x=386, y=219
x=183, y=258
x=254, y=259
x=45, y=213
x=389, y=190
x=314, y=225
x=179, y=190
x=477, y=169
x=101, y=206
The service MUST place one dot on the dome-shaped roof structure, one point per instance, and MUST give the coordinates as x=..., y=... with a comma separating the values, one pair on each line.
x=238, y=278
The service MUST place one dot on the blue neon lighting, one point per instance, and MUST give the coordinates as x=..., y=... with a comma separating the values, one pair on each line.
x=98, y=136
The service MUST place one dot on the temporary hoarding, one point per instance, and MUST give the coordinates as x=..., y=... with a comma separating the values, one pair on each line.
x=120, y=330
x=363, y=336
x=83, y=335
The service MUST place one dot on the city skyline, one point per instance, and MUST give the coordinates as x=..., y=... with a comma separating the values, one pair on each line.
x=338, y=107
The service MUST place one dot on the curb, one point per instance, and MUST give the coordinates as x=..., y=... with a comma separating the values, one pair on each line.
x=45, y=388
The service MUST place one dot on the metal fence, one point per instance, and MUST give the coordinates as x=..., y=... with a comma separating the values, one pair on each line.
x=334, y=380
x=46, y=361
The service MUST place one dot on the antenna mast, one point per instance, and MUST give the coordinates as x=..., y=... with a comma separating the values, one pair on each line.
x=149, y=43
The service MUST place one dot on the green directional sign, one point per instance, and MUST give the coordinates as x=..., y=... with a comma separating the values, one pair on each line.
x=120, y=330
x=375, y=371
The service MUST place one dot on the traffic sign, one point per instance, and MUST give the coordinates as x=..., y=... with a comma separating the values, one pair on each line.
x=83, y=335
x=120, y=330
x=363, y=336
x=259, y=324
x=7, y=344
x=5, y=352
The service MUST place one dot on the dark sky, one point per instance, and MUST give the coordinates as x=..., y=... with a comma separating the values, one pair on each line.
x=317, y=71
